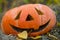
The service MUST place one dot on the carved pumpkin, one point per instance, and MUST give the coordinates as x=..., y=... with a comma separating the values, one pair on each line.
x=36, y=19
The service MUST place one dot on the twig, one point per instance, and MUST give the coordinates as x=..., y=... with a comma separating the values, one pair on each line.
x=52, y=36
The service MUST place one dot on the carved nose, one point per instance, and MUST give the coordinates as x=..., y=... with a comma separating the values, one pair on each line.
x=29, y=18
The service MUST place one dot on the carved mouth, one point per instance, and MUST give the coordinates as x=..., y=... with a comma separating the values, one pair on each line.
x=30, y=30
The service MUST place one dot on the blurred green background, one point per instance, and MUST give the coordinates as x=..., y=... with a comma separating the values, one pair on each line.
x=53, y=4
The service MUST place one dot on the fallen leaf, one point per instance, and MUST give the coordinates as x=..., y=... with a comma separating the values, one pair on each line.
x=23, y=35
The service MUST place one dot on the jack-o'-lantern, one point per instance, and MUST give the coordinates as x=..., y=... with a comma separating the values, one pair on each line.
x=36, y=19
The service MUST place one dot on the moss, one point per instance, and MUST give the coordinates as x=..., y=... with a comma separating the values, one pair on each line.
x=58, y=24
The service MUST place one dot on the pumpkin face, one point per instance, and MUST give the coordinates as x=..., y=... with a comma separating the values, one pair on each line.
x=36, y=19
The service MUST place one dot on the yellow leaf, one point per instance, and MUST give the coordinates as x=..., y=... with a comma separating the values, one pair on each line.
x=23, y=35
x=37, y=37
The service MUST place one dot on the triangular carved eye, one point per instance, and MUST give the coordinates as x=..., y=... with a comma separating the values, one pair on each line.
x=38, y=11
x=17, y=17
x=29, y=18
